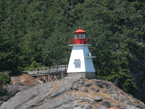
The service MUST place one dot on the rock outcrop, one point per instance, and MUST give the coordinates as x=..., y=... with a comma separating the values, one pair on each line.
x=74, y=92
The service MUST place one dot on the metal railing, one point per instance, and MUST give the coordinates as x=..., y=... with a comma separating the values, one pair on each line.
x=87, y=41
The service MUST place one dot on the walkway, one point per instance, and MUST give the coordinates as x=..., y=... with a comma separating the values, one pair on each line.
x=48, y=70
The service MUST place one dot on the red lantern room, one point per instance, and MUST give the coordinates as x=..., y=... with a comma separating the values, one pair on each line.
x=79, y=37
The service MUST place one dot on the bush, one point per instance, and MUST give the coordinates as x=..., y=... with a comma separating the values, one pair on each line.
x=4, y=79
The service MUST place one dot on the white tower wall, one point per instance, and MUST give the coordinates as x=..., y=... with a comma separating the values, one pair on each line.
x=80, y=62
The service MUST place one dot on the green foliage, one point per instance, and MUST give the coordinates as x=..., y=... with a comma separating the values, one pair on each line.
x=4, y=79
x=34, y=65
x=35, y=33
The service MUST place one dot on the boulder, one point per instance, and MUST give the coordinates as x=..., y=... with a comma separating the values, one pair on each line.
x=80, y=85
x=115, y=96
x=131, y=107
x=81, y=81
x=101, y=107
x=88, y=106
x=102, y=84
x=75, y=88
x=106, y=104
x=89, y=100
x=84, y=89
x=95, y=89
x=87, y=84
x=99, y=84
x=97, y=99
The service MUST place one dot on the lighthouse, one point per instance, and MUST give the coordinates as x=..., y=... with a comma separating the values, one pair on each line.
x=81, y=59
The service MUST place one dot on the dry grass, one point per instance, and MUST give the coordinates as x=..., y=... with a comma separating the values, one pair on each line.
x=56, y=85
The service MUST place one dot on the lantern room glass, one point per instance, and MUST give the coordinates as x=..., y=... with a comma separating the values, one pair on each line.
x=79, y=36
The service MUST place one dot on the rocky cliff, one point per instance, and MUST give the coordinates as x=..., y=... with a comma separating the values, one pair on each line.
x=74, y=92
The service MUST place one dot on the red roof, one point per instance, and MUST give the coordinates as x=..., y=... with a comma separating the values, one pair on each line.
x=80, y=31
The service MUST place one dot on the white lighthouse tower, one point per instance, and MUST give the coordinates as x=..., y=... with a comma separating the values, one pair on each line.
x=80, y=60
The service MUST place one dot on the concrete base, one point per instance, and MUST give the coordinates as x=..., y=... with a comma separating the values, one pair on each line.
x=89, y=75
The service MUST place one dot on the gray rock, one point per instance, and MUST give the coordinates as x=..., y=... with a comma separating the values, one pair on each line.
x=19, y=83
x=82, y=106
x=42, y=97
x=39, y=81
x=3, y=91
x=107, y=91
x=84, y=89
x=88, y=106
x=1, y=98
x=90, y=100
x=99, y=84
x=106, y=104
x=81, y=81
x=139, y=106
x=58, y=101
x=120, y=106
x=110, y=91
x=66, y=87
x=80, y=85
x=76, y=88
x=130, y=103
x=76, y=105
x=102, y=107
x=125, y=98
x=130, y=95
x=95, y=89
x=115, y=96
x=97, y=99
x=120, y=92
x=10, y=95
x=1, y=102
x=102, y=84
x=25, y=87
x=142, y=104
x=28, y=98
x=70, y=105
x=76, y=101
x=14, y=88
x=131, y=107
x=76, y=108
x=88, y=84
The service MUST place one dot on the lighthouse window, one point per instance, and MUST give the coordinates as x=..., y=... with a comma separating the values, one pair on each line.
x=77, y=36
x=77, y=63
x=80, y=36
x=83, y=36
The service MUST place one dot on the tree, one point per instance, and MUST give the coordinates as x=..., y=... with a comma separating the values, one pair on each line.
x=4, y=79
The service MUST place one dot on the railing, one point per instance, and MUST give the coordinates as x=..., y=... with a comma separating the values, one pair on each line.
x=47, y=70
x=87, y=41
x=72, y=41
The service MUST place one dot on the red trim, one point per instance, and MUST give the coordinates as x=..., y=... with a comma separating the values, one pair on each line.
x=80, y=41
